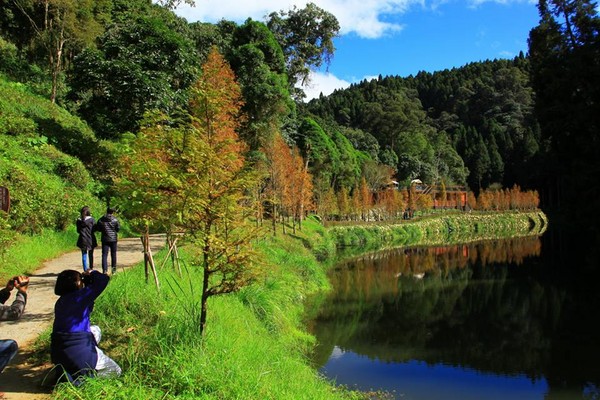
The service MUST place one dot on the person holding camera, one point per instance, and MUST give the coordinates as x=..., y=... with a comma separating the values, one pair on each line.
x=74, y=341
x=9, y=347
x=15, y=310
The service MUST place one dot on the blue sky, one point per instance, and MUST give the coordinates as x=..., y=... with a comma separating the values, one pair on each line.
x=397, y=37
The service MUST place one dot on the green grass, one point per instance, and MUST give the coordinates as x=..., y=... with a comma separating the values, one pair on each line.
x=255, y=345
x=441, y=229
x=27, y=253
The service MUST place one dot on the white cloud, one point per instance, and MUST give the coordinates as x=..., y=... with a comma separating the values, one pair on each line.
x=366, y=18
x=325, y=83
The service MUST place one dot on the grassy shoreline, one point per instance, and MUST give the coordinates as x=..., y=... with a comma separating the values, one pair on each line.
x=255, y=343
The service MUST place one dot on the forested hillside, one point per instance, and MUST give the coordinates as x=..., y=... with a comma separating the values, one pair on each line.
x=202, y=130
x=42, y=154
x=473, y=124
x=121, y=67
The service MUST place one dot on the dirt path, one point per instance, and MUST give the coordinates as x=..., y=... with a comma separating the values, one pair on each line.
x=21, y=379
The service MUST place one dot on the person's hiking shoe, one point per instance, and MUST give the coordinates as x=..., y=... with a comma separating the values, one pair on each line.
x=114, y=271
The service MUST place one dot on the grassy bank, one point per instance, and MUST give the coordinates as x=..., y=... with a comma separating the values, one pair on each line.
x=441, y=229
x=255, y=345
x=27, y=253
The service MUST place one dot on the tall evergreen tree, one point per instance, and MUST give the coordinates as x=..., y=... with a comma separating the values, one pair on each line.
x=258, y=62
x=565, y=67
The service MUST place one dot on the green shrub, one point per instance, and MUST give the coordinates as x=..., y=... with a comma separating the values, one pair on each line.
x=17, y=125
x=69, y=168
x=41, y=199
x=67, y=132
x=10, y=62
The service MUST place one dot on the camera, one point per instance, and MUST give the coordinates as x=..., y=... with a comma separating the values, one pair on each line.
x=86, y=279
x=17, y=281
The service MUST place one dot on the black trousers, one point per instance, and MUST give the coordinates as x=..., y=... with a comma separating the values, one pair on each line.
x=112, y=247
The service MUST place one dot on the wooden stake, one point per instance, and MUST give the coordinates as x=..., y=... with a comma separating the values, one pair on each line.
x=153, y=269
x=144, y=240
x=171, y=247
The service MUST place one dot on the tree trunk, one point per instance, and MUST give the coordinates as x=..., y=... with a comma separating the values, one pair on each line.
x=274, y=217
x=206, y=278
x=304, y=175
x=203, y=309
x=145, y=239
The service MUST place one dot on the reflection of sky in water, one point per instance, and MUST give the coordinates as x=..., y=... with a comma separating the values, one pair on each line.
x=416, y=380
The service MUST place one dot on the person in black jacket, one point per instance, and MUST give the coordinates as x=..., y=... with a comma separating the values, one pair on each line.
x=109, y=227
x=87, y=239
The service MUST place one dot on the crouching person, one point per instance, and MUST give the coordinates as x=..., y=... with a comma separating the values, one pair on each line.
x=74, y=342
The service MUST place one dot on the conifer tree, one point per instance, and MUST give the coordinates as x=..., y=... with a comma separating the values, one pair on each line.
x=195, y=176
x=278, y=159
x=215, y=212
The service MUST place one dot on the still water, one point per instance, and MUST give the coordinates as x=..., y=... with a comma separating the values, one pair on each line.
x=502, y=319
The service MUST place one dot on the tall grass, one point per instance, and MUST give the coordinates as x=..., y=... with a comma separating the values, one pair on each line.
x=254, y=346
x=27, y=253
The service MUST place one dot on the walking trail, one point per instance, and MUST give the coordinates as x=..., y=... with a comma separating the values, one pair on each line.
x=22, y=379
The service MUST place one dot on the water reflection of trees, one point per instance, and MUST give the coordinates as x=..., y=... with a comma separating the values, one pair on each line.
x=380, y=274
x=460, y=305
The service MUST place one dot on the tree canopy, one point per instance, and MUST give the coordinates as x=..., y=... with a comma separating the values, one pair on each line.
x=306, y=37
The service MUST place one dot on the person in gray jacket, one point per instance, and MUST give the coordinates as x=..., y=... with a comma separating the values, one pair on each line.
x=15, y=310
x=109, y=227
x=9, y=347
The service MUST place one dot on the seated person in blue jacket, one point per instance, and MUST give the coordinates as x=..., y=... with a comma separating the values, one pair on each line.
x=74, y=341
x=8, y=347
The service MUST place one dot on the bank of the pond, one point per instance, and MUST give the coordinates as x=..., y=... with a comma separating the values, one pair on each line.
x=255, y=345
x=441, y=229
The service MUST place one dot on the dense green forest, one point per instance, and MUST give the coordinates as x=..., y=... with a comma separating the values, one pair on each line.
x=473, y=125
x=110, y=69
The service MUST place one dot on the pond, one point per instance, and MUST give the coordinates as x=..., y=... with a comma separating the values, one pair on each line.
x=501, y=319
